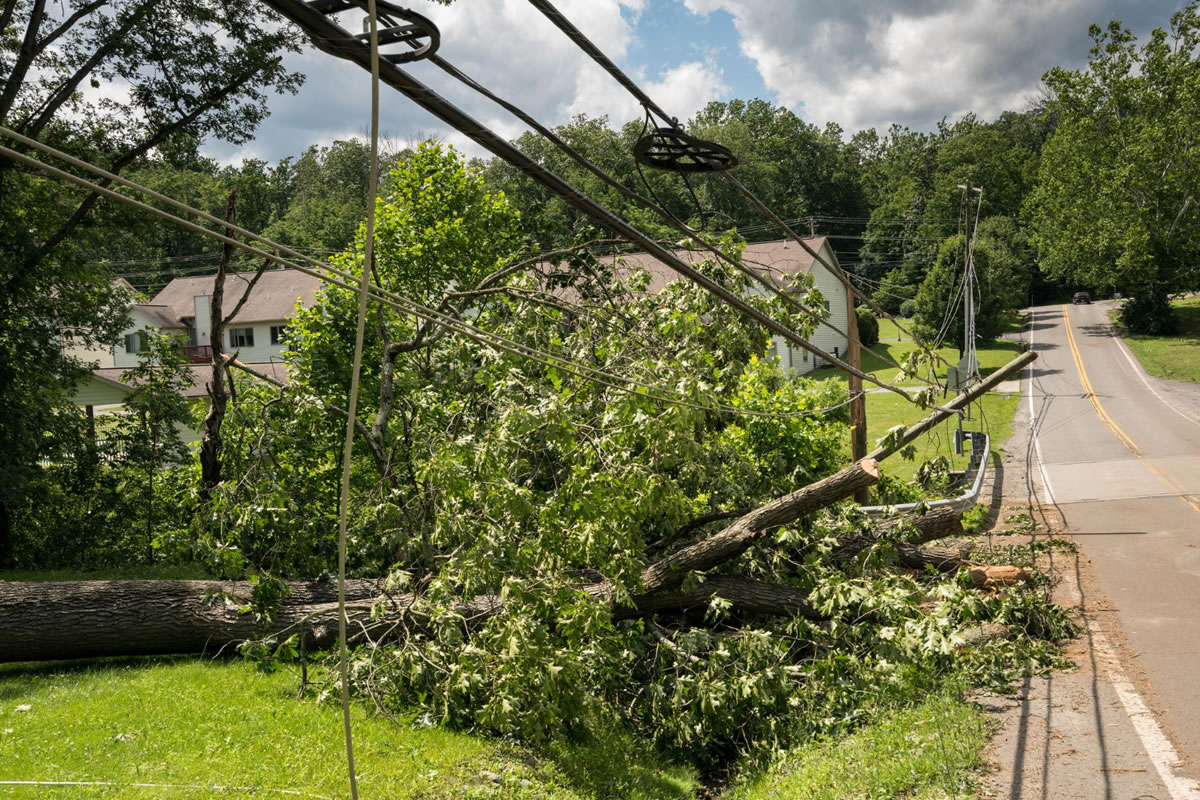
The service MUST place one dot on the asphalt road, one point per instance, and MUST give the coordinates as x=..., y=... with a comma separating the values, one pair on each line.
x=1121, y=462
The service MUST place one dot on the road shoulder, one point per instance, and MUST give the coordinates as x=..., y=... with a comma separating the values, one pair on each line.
x=1072, y=734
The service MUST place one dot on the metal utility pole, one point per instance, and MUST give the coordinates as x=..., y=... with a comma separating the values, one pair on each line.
x=968, y=367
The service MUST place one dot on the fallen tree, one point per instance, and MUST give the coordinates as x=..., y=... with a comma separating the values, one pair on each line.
x=83, y=619
x=41, y=621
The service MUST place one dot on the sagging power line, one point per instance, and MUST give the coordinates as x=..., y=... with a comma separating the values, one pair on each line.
x=350, y=282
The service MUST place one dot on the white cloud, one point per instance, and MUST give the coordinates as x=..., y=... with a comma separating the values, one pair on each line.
x=509, y=47
x=916, y=61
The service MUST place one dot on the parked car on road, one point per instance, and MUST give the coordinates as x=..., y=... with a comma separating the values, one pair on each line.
x=1081, y=297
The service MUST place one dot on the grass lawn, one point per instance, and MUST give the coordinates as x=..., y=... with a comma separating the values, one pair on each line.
x=885, y=410
x=927, y=752
x=991, y=356
x=993, y=414
x=221, y=723
x=1174, y=357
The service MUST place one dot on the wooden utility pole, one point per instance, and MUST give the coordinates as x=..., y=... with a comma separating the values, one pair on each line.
x=858, y=400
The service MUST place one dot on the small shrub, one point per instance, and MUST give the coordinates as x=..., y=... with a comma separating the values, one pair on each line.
x=868, y=327
x=908, y=308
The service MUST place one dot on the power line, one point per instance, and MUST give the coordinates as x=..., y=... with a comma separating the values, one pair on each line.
x=652, y=205
x=585, y=44
x=330, y=37
x=392, y=299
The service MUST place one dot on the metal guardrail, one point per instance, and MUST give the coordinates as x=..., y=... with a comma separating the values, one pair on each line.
x=978, y=462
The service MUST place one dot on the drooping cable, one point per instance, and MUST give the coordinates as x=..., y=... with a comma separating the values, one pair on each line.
x=405, y=305
x=597, y=55
x=318, y=26
x=654, y=205
x=352, y=401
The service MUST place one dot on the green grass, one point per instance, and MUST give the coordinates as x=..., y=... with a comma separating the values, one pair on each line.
x=205, y=723
x=993, y=413
x=931, y=751
x=1175, y=357
x=991, y=356
x=885, y=410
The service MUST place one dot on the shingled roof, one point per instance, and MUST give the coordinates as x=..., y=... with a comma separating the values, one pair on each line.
x=776, y=260
x=274, y=296
x=161, y=316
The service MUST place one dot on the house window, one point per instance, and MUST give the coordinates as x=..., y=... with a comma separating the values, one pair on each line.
x=136, y=342
x=827, y=308
x=277, y=333
x=241, y=337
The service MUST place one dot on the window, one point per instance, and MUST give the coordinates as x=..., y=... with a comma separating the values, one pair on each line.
x=827, y=308
x=241, y=337
x=136, y=342
x=277, y=333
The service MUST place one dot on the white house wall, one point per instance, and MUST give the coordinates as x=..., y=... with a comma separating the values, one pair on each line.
x=800, y=361
x=138, y=321
x=262, y=350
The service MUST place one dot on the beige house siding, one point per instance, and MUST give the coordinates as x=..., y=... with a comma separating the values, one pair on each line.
x=798, y=360
x=93, y=391
x=262, y=351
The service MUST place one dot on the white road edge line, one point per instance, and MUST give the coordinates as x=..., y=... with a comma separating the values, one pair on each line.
x=1033, y=423
x=1141, y=373
x=1159, y=749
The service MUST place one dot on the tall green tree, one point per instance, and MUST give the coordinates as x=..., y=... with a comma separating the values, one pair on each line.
x=1116, y=204
x=115, y=82
x=1002, y=272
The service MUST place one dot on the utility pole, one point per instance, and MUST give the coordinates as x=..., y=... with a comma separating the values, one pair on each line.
x=968, y=367
x=858, y=399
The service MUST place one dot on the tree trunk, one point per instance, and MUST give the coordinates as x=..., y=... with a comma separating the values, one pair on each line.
x=210, y=445
x=737, y=538
x=939, y=523
x=87, y=619
x=84, y=619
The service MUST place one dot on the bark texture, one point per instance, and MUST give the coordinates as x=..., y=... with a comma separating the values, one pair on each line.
x=82, y=619
x=56, y=620
x=737, y=538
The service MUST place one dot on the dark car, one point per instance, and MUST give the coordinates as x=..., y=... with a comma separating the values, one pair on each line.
x=1081, y=297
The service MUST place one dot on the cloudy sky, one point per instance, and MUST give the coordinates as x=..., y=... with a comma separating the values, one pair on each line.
x=860, y=64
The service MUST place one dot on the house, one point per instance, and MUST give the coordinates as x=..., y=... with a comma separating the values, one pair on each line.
x=183, y=308
x=256, y=333
x=780, y=261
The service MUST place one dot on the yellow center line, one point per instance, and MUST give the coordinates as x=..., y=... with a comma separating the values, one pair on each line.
x=1122, y=437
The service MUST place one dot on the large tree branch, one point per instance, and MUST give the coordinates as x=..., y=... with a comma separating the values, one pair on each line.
x=329, y=408
x=86, y=205
x=67, y=24
x=24, y=60
x=738, y=537
x=1189, y=202
x=249, y=287
x=6, y=14
x=939, y=523
x=99, y=618
x=41, y=117
x=962, y=401
x=746, y=595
